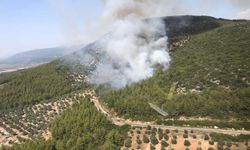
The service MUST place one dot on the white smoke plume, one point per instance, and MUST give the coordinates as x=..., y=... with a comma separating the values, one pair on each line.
x=244, y=14
x=134, y=46
x=117, y=10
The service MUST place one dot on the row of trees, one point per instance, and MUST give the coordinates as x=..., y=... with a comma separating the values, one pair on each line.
x=81, y=127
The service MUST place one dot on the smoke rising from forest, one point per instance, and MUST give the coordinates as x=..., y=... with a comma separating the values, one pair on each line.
x=134, y=46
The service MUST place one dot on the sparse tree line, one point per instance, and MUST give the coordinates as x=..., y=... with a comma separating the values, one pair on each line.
x=166, y=138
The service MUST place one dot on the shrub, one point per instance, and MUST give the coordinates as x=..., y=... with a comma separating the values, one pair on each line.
x=160, y=131
x=138, y=131
x=210, y=148
x=199, y=148
x=187, y=143
x=194, y=137
x=220, y=147
x=206, y=137
x=131, y=132
x=145, y=139
x=222, y=143
x=148, y=127
x=148, y=132
x=152, y=147
x=153, y=133
x=174, y=141
x=138, y=141
x=186, y=131
x=154, y=130
x=154, y=140
x=164, y=144
x=160, y=136
x=166, y=137
x=128, y=143
x=211, y=142
x=229, y=144
x=167, y=131
x=185, y=136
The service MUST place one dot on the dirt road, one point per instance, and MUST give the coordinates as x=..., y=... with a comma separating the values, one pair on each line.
x=120, y=121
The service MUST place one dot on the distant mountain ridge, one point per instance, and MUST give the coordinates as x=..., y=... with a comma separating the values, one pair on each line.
x=38, y=56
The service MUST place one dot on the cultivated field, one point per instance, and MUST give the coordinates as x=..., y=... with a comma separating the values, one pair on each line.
x=164, y=139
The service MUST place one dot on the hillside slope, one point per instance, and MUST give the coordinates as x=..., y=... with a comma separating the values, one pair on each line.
x=212, y=54
x=208, y=77
x=51, y=80
x=31, y=86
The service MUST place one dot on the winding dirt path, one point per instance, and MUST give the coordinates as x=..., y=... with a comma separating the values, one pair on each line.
x=120, y=121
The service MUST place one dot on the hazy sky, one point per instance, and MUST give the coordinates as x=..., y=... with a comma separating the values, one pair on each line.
x=32, y=24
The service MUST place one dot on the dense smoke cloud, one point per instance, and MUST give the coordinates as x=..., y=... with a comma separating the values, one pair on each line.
x=133, y=46
x=134, y=49
x=244, y=14
x=240, y=3
x=123, y=9
x=115, y=10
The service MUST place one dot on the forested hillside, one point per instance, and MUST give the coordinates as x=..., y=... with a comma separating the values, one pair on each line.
x=34, y=85
x=50, y=80
x=81, y=127
x=208, y=76
x=188, y=25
